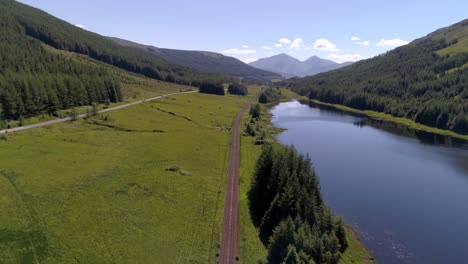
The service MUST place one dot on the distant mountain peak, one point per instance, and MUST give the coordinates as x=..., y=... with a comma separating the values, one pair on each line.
x=289, y=66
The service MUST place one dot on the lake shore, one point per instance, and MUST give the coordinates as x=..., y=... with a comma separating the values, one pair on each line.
x=250, y=248
x=386, y=117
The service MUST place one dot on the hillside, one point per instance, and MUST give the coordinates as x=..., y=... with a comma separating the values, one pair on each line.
x=39, y=72
x=289, y=66
x=425, y=81
x=204, y=61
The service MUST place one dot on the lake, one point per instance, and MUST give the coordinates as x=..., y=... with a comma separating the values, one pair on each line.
x=404, y=191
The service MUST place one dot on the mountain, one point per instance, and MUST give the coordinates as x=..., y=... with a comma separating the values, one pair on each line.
x=34, y=25
x=425, y=81
x=47, y=64
x=204, y=61
x=281, y=63
x=289, y=66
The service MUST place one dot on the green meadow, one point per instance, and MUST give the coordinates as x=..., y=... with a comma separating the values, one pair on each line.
x=140, y=185
x=144, y=184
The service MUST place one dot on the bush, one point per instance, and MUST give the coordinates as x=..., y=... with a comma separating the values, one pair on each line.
x=269, y=95
x=212, y=88
x=238, y=89
x=74, y=114
x=255, y=111
x=94, y=109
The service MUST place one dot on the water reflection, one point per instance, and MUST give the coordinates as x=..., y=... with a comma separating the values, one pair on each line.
x=404, y=190
x=394, y=128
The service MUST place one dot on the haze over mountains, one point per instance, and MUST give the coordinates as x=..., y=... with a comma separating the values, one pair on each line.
x=289, y=66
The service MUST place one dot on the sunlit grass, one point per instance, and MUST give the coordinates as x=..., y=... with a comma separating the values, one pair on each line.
x=97, y=191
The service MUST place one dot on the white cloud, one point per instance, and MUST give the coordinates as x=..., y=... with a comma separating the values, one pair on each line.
x=391, y=43
x=340, y=58
x=364, y=43
x=249, y=60
x=296, y=44
x=80, y=26
x=355, y=39
x=238, y=51
x=279, y=45
x=245, y=46
x=325, y=44
x=285, y=41
x=266, y=47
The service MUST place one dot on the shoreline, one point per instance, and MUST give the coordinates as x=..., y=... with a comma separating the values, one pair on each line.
x=398, y=120
x=357, y=251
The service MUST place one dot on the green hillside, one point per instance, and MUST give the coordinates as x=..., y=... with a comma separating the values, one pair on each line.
x=425, y=81
x=62, y=35
x=47, y=64
x=205, y=61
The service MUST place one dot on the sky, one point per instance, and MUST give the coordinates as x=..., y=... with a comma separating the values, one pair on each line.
x=252, y=29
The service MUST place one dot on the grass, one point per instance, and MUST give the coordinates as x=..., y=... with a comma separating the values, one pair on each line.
x=96, y=191
x=399, y=120
x=250, y=247
x=356, y=252
x=146, y=185
x=461, y=34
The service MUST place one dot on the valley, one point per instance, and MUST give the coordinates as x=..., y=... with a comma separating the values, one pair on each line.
x=180, y=132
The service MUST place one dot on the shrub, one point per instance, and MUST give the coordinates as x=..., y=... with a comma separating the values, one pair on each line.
x=269, y=95
x=238, y=89
x=212, y=88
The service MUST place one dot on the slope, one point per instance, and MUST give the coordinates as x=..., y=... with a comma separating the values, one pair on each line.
x=32, y=22
x=425, y=81
x=204, y=61
x=47, y=64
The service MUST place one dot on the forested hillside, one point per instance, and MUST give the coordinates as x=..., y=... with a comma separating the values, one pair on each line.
x=34, y=80
x=205, y=61
x=425, y=81
x=36, y=77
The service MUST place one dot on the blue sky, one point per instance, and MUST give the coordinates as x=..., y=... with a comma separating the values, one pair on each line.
x=250, y=29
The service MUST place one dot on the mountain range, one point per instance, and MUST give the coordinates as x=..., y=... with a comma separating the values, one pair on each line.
x=204, y=61
x=31, y=24
x=289, y=66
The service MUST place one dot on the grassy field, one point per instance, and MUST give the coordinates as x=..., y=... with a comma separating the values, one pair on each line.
x=399, y=120
x=250, y=247
x=98, y=190
x=140, y=185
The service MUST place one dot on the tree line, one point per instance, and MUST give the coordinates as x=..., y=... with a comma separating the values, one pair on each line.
x=287, y=208
x=413, y=81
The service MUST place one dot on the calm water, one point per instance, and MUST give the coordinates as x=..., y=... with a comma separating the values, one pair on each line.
x=405, y=192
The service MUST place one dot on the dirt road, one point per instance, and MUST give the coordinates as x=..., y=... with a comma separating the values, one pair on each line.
x=51, y=122
x=228, y=249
